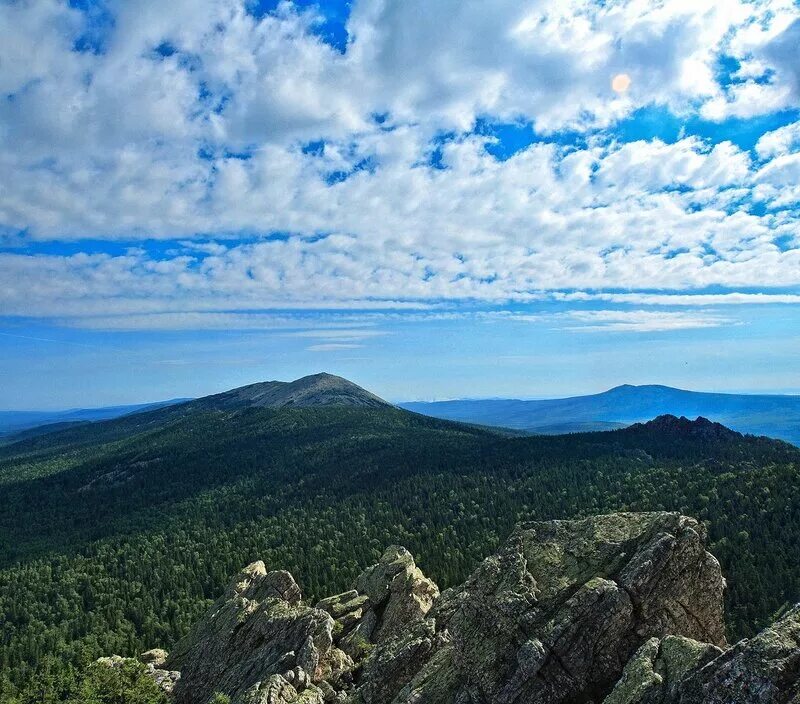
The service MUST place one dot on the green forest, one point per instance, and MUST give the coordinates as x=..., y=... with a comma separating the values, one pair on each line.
x=115, y=537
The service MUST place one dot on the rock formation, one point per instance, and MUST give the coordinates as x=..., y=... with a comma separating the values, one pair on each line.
x=257, y=644
x=621, y=609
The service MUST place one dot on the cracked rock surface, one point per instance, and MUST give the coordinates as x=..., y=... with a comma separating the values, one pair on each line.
x=624, y=608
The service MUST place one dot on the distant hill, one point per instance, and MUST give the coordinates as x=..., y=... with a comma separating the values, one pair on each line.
x=12, y=422
x=771, y=415
x=314, y=390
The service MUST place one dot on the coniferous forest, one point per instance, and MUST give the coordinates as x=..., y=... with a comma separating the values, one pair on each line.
x=115, y=537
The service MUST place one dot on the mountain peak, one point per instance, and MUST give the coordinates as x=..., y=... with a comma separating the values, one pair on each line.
x=320, y=389
x=641, y=387
x=674, y=425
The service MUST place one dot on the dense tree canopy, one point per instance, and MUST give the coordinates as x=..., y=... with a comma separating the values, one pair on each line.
x=114, y=538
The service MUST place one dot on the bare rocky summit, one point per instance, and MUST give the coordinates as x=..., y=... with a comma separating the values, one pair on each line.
x=314, y=390
x=617, y=609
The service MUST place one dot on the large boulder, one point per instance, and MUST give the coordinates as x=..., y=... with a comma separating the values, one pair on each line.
x=396, y=594
x=258, y=629
x=655, y=673
x=555, y=615
x=764, y=670
x=757, y=671
x=153, y=660
x=278, y=690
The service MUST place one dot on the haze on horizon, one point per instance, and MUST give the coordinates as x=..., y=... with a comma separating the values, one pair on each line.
x=435, y=200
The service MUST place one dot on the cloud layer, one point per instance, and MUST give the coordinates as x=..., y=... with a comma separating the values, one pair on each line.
x=284, y=171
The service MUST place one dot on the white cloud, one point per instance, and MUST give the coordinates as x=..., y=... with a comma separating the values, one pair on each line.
x=131, y=144
x=696, y=299
x=768, y=78
x=779, y=142
x=220, y=320
x=332, y=347
x=646, y=215
x=642, y=321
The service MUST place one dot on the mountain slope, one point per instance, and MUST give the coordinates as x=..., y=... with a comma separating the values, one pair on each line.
x=314, y=390
x=317, y=390
x=775, y=416
x=114, y=536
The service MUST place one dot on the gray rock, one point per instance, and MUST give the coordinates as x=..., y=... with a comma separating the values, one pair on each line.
x=277, y=690
x=556, y=614
x=765, y=669
x=655, y=673
x=553, y=617
x=152, y=660
x=397, y=595
x=347, y=610
x=257, y=629
x=389, y=669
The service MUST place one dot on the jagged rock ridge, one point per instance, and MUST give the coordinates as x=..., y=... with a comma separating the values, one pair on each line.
x=669, y=426
x=622, y=609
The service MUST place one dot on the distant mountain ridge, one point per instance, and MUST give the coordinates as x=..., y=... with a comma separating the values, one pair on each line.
x=18, y=421
x=772, y=415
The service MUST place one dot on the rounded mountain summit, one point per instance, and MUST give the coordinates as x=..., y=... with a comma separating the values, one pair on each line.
x=314, y=390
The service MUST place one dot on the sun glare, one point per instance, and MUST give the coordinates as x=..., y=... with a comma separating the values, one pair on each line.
x=621, y=82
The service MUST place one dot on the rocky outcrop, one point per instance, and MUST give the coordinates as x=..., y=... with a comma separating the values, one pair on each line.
x=654, y=674
x=396, y=595
x=763, y=670
x=257, y=630
x=555, y=615
x=621, y=609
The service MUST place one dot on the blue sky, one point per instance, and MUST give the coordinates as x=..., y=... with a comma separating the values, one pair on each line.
x=435, y=199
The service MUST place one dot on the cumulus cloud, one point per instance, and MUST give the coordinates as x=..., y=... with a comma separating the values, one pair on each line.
x=642, y=215
x=779, y=142
x=287, y=173
x=768, y=77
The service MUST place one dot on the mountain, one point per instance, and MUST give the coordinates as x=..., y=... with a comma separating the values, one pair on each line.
x=13, y=422
x=116, y=536
x=315, y=390
x=623, y=608
x=775, y=416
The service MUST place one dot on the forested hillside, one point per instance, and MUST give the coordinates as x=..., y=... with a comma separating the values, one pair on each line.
x=114, y=537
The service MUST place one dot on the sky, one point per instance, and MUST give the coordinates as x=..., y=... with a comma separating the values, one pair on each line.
x=433, y=198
